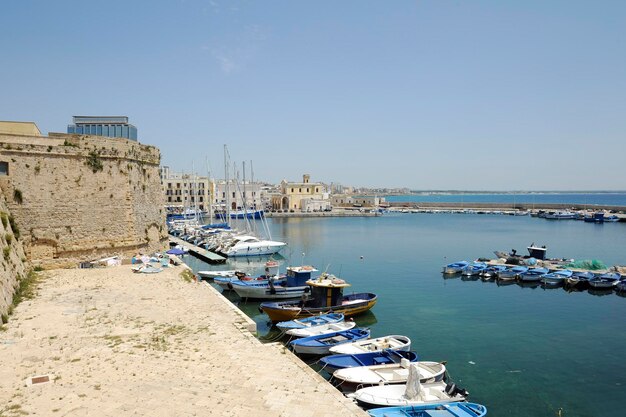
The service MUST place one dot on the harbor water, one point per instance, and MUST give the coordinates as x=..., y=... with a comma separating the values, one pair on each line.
x=521, y=351
x=590, y=199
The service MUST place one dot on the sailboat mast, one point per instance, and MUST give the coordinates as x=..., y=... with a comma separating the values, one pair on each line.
x=226, y=187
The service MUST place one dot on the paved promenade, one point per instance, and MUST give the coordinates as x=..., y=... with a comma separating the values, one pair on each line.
x=115, y=343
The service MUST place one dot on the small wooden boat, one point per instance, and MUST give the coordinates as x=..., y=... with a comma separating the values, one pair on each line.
x=579, y=279
x=491, y=272
x=511, y=274
x=362, y=376
x=605, y=281
x=455, y=267
x=340, y=361
x=320, y=344
x=271, y=271
x=409, y=394
x=311, y=321
x=620, y=286
x=440, y=410
x=395, y=342
x=556, y=278
x=326, y=296
x=322, y=329
x=475, y=268
x=533, y=275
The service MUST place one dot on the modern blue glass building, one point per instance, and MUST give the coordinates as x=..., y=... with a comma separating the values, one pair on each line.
x=111, y=126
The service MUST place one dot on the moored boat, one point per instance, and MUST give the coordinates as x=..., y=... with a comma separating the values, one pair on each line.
x=395, y=342
x=533, y=275
x=511, y=274
x=556, y=278
x=605, y=281
x=455, y=267
x=579, y=279
x=310, y=321
x=294, y=285
x=320, y=344
x=326, y=296
x=360, y=376
x=215, y=274
x=440, y=410
x=475, y=268
x=409, y=394
x=322, y=329
x=388, y=356
x=492, y=271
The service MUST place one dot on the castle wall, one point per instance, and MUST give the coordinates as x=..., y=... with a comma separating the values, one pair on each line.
x=77, y=198
x=12, y=260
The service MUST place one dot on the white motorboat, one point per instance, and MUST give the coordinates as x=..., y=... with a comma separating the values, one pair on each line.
x=215, y=274
x=322, y=329
x=378, y=344
x=393, y=373
x=412, y=393
x=247, y=245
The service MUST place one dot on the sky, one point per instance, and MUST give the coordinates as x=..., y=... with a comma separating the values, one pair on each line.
x=439, y=94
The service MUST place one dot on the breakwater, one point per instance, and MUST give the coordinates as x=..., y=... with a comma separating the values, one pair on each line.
x=505, y=206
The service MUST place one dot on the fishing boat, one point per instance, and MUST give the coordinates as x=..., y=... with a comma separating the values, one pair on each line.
x=560, y=215
x=412, y=393
x=361, y=376
x=475, y=268
x=533, y=275
x=321, y=344
x=326, y=296
x=271, y=271
x=579, y=279
x=395, y=342
x=440, y=410
x=556, y=278
x=512, y=273
x=611, y=218
x=310, y=321
x=605, y=281
x=215, y=274
x=322, y=329
x=492, y=271
x=455, y=267
x=388, y=356
x=620, y=286
x=293, y=286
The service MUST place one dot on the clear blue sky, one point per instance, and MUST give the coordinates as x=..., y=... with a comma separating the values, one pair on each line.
x=487, y=95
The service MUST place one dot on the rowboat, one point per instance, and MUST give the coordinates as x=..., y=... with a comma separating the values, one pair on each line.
x=533, y=275
x=361, y=376
x=511, y=274
x=556, y=278
x=455, y=267
x=395, y=342
x=340, y=361
x=310, y=321
x=322, y=329
x=320, y=344
x=293, y=286
x=440, y=410
x=607, y=280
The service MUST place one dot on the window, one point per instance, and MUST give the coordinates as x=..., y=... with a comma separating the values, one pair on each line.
x=299, y=190
x=292, y=190
x=307, y=189
x=4, y=168
x=317, y=190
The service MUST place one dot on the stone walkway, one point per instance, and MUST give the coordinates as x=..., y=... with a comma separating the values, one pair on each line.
x=115, y=343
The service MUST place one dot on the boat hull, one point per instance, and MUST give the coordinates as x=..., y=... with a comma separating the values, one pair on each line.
x=443, y=410
x=284, y=311
x=393, y=395
x=265, y=292
x=351, y=378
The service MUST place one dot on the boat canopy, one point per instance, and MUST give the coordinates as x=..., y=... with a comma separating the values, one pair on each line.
x=298, y=276
x=327, y=281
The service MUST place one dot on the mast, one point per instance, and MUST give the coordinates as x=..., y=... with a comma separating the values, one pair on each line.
x=209, y=190
x=226, y=187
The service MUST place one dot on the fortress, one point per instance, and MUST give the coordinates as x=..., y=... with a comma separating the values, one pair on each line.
x=74, y=198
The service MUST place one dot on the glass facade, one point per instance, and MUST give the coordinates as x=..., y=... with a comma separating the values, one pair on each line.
x=110, y=126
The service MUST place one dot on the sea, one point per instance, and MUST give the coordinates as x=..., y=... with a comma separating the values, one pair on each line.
x=603, y=199
x=520, y=350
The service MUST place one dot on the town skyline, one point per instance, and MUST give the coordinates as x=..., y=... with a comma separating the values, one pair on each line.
x=420, y=95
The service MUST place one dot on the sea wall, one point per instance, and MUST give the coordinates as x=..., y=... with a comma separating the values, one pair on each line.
x=13, y=259
x=77, y=198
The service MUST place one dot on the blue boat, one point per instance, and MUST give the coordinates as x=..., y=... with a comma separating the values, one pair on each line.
x=579, y=279
x=432, y=410
x=492, y=271
x=620, y=286
x=310, y=321
x=605, y=281
x=556, y=278
x=294, y=286
x=475, y=268
x=512, y=273
x=533, y=275
x=333, y=362
x=455, y=267
x=320, y=344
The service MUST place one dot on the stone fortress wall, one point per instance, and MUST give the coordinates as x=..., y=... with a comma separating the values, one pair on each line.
x=77, y=198
x=12, y=260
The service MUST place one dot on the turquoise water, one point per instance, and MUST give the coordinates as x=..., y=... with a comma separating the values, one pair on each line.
x=605, y=199
x=521, y=351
